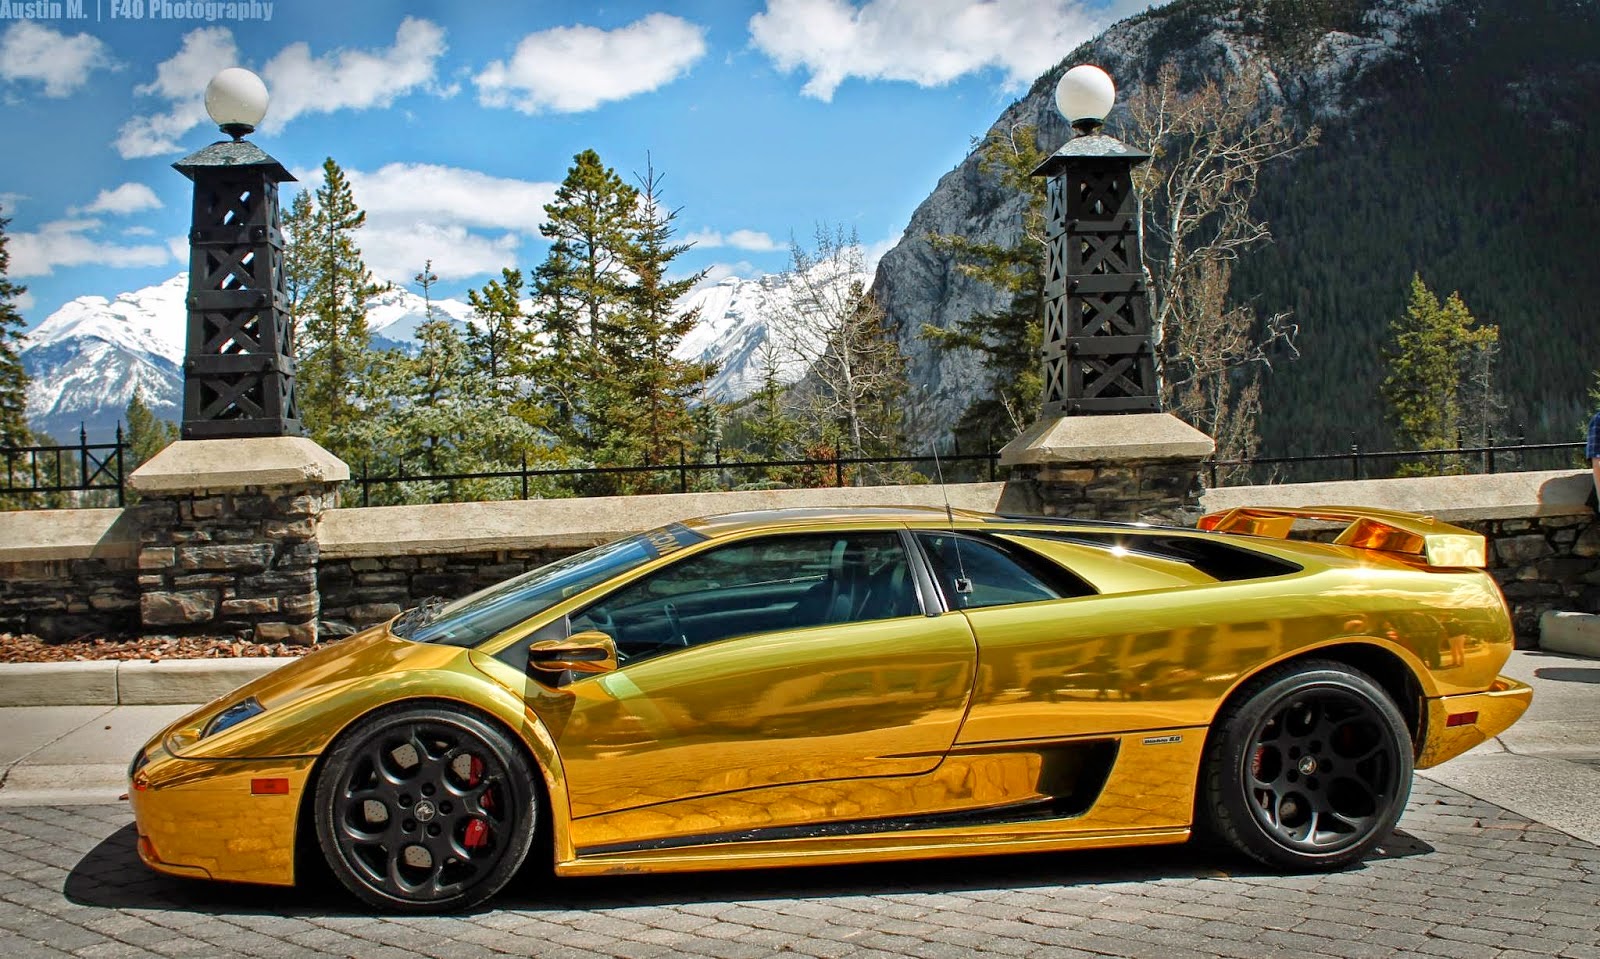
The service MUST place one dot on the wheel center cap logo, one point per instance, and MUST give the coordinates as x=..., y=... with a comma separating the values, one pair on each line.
x=425, y=811
x=1308, y=765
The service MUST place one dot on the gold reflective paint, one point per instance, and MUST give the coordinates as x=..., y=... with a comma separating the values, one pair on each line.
x=1084, y=717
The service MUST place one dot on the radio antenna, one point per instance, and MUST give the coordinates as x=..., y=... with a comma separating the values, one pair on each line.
x=963, y=584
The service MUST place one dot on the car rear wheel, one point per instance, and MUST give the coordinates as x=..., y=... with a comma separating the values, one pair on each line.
x=1309, y=768
x=425, y=809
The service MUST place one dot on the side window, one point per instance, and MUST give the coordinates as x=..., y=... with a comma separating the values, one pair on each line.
x=997, y=576
x=757, y=586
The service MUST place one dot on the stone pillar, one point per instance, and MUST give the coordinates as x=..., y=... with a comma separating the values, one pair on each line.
x=1132, y=467
x=228, y=536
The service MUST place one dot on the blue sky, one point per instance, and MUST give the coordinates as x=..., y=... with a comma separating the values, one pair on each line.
x=456, y=119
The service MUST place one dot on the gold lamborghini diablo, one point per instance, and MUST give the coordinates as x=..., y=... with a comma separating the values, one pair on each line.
x=830, y=686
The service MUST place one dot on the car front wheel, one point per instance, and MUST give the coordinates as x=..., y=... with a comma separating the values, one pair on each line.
x=1308, y=769
x=425, y=809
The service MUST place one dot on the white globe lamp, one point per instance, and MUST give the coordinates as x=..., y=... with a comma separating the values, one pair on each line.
x=236, y=100
x=1084, y=96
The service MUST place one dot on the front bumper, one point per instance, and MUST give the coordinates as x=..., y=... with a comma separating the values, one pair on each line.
x=209, y=818
x=1454, y=724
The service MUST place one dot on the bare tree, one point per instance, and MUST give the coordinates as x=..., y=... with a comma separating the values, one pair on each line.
x=831, y=323
x=1208, y=147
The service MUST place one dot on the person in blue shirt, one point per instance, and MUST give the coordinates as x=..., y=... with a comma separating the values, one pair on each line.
x=1592, y=451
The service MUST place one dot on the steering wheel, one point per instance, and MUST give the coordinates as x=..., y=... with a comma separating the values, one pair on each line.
x=676, y=635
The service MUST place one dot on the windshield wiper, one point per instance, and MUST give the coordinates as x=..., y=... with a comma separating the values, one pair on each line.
x=418, y=616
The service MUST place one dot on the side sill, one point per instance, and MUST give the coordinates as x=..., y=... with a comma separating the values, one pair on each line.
x=1036, y=836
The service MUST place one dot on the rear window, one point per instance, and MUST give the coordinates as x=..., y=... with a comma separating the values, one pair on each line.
x=1224, y=562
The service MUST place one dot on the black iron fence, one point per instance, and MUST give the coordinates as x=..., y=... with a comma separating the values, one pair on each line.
x=1358, y=463
x=92, y=474
x=684, y=476
x=45, y=476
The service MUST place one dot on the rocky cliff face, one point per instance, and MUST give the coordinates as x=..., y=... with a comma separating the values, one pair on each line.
x=1312, y=62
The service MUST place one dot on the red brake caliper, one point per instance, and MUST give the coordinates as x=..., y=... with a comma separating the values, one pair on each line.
x=477, y=834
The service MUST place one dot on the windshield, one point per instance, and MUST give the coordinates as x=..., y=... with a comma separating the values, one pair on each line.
x=472, y=619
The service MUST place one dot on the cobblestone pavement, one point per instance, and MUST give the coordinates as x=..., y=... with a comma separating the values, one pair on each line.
x=1462, y=879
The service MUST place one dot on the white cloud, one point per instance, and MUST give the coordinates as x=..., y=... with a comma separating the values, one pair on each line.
x=23, y=300
x=127, y=198
x=352, y=79
x=69, y=243
x=33, y=52
x=572, y=69
x=429, y=191
x=926, y=42
x=298, y=82
x=752, y=240
x=468, y=222
x=181, y=80
x=396, y=251
x=178, y=246
x=138, y=231
x=875, y=251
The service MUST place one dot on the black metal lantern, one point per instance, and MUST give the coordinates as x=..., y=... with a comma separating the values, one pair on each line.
x=239, y=359
x=1099, y=352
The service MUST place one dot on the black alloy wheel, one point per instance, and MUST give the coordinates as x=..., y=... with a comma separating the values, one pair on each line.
x=1309, y=768
x=425, y=809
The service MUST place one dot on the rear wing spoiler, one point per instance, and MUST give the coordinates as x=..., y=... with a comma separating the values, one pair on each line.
x=1410, y=536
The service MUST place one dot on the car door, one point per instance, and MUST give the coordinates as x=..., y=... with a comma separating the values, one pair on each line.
x=1058, y=660
x=771, y=661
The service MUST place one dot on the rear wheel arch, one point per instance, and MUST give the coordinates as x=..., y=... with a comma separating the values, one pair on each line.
x=1387, y=668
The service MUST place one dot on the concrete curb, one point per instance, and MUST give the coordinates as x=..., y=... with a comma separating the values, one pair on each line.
x=129, y=682
x=1576, y=634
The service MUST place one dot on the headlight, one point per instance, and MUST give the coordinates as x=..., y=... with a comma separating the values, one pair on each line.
x=233, y=716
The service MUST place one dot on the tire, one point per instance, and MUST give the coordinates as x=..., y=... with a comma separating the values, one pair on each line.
x=425, y=809
x=1307, y=768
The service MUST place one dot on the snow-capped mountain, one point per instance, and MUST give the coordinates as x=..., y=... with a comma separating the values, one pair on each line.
x=738, y=317
x=87, y=358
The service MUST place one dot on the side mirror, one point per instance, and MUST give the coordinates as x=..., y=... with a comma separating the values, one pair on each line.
x=590, y=651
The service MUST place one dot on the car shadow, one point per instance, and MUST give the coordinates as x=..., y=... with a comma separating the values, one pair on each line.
x=1569, y=674
x=111, y=876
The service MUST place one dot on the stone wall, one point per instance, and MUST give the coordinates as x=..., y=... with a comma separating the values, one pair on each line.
x=241, y=561
x=75, y=572
x=366, y=590
x=68, y=573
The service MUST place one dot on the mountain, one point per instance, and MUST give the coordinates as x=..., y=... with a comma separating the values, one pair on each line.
x=1458, y=140
x=87, y=358
x=738, y=317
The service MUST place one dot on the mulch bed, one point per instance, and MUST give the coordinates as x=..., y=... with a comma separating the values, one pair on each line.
x=32, y=649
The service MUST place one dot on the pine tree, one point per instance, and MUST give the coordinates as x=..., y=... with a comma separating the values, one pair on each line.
x=656, y=387
x=592, y=216
x=500, y=341
x=1007, y=340
x=299, y=264
x=13, y=378
x=1434, y=348
x=562, y=353
x=771, y=427
x=584, y=285
x=336, y=388
x=147, y=434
